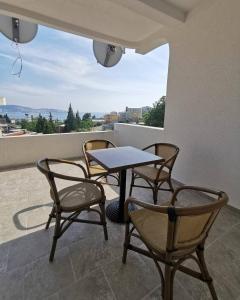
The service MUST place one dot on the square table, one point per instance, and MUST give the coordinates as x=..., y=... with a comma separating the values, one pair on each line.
x=120, y=159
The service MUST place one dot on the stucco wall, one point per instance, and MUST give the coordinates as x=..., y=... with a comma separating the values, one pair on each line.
x=21, y=150
x=203, y=98
x=137, y=136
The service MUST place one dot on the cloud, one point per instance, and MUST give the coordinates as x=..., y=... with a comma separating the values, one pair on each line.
x=57, y=64
x=31, y=90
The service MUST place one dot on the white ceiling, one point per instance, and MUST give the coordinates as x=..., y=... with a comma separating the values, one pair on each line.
x=133, y=24
x=186, y=5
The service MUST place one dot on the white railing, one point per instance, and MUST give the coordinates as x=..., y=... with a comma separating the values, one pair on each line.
x=138, y=135
x=21, y=150
x=17, y=151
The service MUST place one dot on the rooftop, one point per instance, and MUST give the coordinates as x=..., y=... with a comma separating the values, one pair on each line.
x=87, y=267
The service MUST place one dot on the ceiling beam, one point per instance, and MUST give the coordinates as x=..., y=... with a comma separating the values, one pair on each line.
x=159, y=11
x=32, y=16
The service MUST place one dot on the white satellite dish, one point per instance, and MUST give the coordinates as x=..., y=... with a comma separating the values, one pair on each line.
x=107, y=55
x=17, y=30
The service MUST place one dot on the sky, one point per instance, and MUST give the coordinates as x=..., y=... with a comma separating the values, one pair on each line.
x=59, y=68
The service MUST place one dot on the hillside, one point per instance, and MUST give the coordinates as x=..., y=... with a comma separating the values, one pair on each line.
x=24, y=109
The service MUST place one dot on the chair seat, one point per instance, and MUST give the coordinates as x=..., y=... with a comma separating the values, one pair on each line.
x=152, y=227
x=150, y=173
x=97, y=170
x=78, y=196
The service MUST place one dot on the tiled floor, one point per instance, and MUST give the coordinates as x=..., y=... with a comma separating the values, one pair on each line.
x=87, y=267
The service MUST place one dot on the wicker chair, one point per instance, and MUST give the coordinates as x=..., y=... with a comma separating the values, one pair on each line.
x=173, y=235
x=72, y=200
x=93, y=168
x=158, y=174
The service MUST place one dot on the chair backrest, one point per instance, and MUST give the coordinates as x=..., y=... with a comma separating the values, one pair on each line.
x=167, y=151
x=189, y=226
x=95, y=145
x=43, y=166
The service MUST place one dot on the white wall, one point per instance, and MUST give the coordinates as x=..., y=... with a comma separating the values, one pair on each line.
x=21, y=150
x=203, y=98
x=137, y=135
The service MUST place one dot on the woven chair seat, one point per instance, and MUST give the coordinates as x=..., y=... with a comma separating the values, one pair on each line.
x=150, y=173
x=173, y=235
x=152, y=227
x=97, y=170
x=78, y=196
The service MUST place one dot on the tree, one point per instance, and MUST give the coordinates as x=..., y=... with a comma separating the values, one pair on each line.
x=46, y=128
x=155, y=117
x=86, y=116
x=39, y=124
x=24, y=124
x=51, y=125
x=70, y=122
x=8, y=120
x=78, y=120
x=86, y=125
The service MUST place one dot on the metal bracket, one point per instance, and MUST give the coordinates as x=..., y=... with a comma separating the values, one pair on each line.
x=15, y=30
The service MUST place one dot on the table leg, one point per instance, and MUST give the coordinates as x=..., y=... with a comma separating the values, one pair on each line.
x=115, y=210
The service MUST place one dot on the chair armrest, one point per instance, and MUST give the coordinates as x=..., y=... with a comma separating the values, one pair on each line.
x=195, y=188
x=148, y=147
x=156, y=208
x=63, y=161
x=78, y=179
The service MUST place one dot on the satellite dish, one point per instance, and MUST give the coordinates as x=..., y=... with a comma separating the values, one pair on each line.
x=17, y=30
x=107, y=55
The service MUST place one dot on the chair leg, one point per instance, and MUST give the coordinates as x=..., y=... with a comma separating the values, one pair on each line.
x=131, y=185
x=106, y=178
x=55, y=237
x=155, y=194
x=126, y=243
x=168, y=284
x=170, y=185
x=103, y=220
x=118, y=180
x=205, y=273
x=51, y=215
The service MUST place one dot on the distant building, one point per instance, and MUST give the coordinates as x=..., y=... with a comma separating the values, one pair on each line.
x=111, y=118
x=122, y=117
x=133, y=114
x=3, y=101
x=145, y=109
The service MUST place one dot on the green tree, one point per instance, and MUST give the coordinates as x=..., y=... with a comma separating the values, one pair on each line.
x=86, y=125
x=155, y=117
x=51, y=124
x=78, y=120
x=70, y=122
x=8, y=120
x=24, y=124
x=39, y=124
x=46, y=128
x=86, y=116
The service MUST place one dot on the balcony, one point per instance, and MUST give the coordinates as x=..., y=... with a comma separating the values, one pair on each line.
x=202, y=118
x=86, y=266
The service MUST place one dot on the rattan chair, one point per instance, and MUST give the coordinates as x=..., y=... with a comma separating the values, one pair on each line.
x=173, y=235
x=93, y=168
x=72, y=200
x=158, y=174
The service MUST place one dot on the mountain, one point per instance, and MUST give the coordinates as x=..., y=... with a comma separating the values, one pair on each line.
x=24, y=109
x=20, y=112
